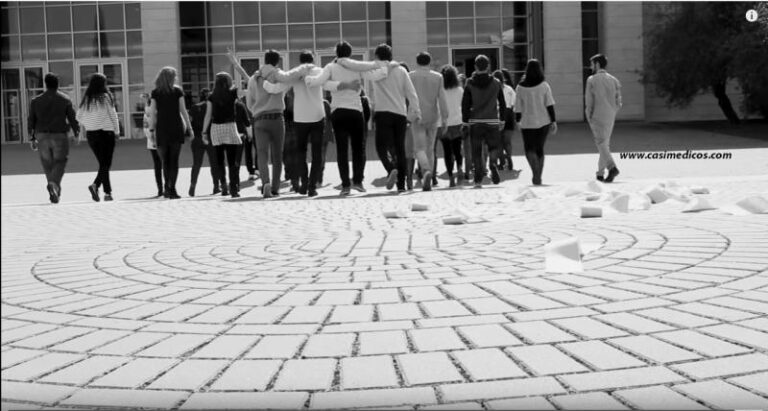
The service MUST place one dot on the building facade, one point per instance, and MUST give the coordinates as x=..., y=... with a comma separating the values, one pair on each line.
x=131, y=41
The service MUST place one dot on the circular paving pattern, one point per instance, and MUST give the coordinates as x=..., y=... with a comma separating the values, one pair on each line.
x=326, y=304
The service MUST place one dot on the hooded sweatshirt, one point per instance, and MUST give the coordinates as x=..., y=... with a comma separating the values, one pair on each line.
x=483, y=100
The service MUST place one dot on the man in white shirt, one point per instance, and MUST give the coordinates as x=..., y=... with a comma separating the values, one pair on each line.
x=602, y=101
x=434, y=110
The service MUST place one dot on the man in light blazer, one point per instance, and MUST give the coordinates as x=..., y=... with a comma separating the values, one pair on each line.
x=603, y=100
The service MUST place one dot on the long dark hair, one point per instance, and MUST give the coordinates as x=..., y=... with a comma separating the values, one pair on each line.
x=534, y=75
x=450, y=77
x=507, y=77
x=222, y=88
x=97, y=92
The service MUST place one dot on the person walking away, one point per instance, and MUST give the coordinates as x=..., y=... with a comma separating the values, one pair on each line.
x=249, y=143
x=535, y=113
x=434, y=112
x=602, y=102
x=197, y=116
x=97, y=115
x=451, y=135
x=243, y=123
x=51, y=115
x=505, y=156
x=152, y=146
x=224, y=135
x=394, y=102
x=170, y=122
x=482, y=107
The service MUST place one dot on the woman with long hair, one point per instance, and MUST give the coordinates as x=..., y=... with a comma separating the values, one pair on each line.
x=97, y=114
x=220, y=116
x=199, y=149
x=152, y=146
x=169, y=122
x=451, y=136
x=505, y=78
x=535, y=113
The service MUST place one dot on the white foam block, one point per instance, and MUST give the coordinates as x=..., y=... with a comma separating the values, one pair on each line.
x=563, y=256
x=656, y=194
x=639, y=202
x=571, y=191
x=592, y=197
x=699, y=190
x=620, y=203
x=525, y=194
x=395, y=213
x=754, y=205
x=419, y=207
x=595, y=187
x=591, y=211
x=697, y=204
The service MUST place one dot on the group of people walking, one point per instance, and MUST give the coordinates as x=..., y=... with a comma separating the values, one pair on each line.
x=473, y=118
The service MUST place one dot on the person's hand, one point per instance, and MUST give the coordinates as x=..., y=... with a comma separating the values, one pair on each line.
x=553, y=128
x=501, y=125
x=231, y=55
x=205, y=139
x=33, y=143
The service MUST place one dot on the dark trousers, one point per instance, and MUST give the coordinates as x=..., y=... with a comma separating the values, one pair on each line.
x=533, y=141
x=102, y=142
x=53, y=149
x=451, y=153
x=390, y=143
x=232, y=152
x=169, y=156
x=489, y=135
x=270, y=135
x=198, y=151
x=158, y=166
x=291, y=159
x=249, y=151
x=310, y=133
x=349, y=129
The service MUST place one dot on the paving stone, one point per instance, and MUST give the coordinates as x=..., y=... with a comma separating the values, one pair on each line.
x=701, y=343
x=657, y=398
x=654, y=349
x=383, y=342
x=459, y=321
x=488, y=364
x=15, y=356
x=532, y=403
x=84, y=371
x=488, y=305
x=189, y=375
x=368, y=326
x=135, y=373
x=394, y=312
x=245, y=400
x=633, y=323
x=632, y=377
x=42, y=365
x=446, y=308
x=368, y=372
x=175, y=346
x=545, y=360
x=372, y=398
x=311, y=314
x=588, y=328
x=722, y=367
x=500, y=389
x=454, y=406
x=676, y=318
x=720, y=394
x=41, y=393
x=540, y=332
x=490, y=335
x=105, y=397
x=427, y=368
x=752, y=338
x=297, y=375
x=418, y=294
x=713, y=311
x=277, y=346
x=352, y=314
x=436, y=339
x=329, y=345
x=247, y=375
x=588, y=401
x=539, y=315
x=600, y=355
x=755, y=382
x=226, y=346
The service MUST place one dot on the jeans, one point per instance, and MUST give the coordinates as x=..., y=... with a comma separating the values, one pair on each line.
x=102, y=142
x=233, y=164
x=451, y=153
x=480, y=135
x=169, y=156
x=53, y=149
x=310, y=133
x=507, y=147
x=249, y=151
x=291, y=159
x=424, y=145
x=601, y=131
x=390, y=141
x=270, y=135
x=349, y=129
x=533, y=141
x=158, y=165
x=198, y=150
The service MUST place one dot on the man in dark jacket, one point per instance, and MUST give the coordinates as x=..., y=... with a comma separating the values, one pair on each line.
x=51, y=115
x=482, y=110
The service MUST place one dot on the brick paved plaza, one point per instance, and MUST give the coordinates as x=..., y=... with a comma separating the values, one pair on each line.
x=294, y=303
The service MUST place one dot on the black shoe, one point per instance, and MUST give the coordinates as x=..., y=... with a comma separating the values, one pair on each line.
x=312, y=192
x=216, y=190
x=191, y=190
x=451, y=181
x=108, y=197
x=427, y=184
x=466, y=176
x=303, y=189
x=536, y=181
x=94, y=192
x=391, y=179
x=174, y=195
x=345, y=191
x=266, y=190
x=52, y=194
x=495, y=175
x=159, y=192
x=275, y=193
x=224, y=191
x=235, y=194
x=359, y=187
x=600, y=177
x=612, y=173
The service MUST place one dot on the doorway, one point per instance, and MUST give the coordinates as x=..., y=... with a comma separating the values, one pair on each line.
x=116, y=84
x=19, y=86
x=464, y=59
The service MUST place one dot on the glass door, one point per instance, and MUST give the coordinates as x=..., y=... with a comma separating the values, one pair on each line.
x=116, y=84
x=19, y=86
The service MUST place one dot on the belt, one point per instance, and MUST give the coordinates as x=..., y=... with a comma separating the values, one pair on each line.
x=51, y=131
x=268, y=116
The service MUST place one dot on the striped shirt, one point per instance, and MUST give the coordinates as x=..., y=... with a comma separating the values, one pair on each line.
x=101, y=115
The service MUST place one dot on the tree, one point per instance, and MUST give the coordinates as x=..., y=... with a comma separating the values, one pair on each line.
x=699, y=46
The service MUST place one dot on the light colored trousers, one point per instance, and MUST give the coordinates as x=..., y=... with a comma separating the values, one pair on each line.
x=601, y=131
x=424, y=138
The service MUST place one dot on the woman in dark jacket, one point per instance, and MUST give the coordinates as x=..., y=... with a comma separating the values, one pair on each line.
x=223, y=134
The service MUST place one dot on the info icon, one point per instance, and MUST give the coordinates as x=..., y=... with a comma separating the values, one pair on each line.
x=752, y=15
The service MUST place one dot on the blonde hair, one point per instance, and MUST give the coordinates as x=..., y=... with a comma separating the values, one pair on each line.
x=165, y=80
